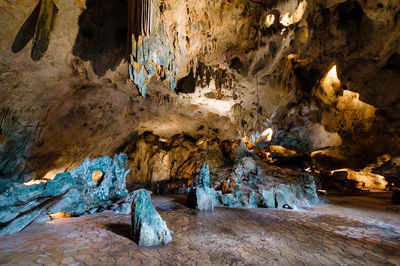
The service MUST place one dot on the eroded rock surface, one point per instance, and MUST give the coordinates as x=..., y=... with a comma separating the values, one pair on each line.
x=148, y=228
x=319, y=74
x=70, y=193
x=253, y=187
x=201, y=196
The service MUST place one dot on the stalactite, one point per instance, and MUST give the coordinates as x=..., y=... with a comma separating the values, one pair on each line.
x=148, y=46
x=140, y=21
x=44, y=27
x=140, y=24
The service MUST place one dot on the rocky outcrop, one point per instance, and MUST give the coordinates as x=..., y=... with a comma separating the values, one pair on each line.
x=153, y=159
x=249, y=187
x=71, y=193
x=390, y=170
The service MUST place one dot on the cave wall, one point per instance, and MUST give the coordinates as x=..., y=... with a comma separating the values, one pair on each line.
x=242, y=67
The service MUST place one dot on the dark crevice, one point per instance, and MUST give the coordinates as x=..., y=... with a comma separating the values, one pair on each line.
x=187, y=84
x=26, y=32
x=393, y=62
x=102, y=34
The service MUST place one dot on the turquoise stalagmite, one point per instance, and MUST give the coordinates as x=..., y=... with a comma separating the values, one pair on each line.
x=148, y=228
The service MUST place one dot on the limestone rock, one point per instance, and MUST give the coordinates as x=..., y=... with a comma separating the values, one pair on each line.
x=148, y=228
x=390, y=170
x=125, y=205
x=202, y=196
x=72, y=192
x=255, y=190
x=320, y=75
x=153, y=159
x=204, y=176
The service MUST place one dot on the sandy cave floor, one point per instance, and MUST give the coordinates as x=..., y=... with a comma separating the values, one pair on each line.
x=351, y=230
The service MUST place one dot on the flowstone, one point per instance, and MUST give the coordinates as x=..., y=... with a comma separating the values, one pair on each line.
x=148, y=228
x=72, y=192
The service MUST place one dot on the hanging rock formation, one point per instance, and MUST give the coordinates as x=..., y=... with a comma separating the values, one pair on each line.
x=44, y=27
x=151, y=53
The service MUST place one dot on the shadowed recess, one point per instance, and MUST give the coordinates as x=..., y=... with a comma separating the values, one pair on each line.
x=26, y=32
x=121, y=229
x=102, y=34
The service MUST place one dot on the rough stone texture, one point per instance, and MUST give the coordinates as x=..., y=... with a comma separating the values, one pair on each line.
x=73, y=193
x=152, y=53
x=390, y=170
x=148, y=228
x=248, y=186
x=350, y=230
x=251, y=72
x=154, y=159
x=200, y=195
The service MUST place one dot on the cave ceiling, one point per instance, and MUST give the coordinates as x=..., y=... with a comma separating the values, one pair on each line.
x=318, y=73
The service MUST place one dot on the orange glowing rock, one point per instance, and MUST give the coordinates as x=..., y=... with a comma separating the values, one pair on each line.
x=59, y=215
x=97, y=175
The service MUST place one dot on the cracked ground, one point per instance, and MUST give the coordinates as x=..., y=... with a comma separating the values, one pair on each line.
x=350, y=230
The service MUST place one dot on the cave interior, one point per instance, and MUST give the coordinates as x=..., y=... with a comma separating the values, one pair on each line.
x=200, y=132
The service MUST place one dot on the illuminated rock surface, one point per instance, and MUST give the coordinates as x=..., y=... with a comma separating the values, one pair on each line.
x=282, y=99
x=321, y=74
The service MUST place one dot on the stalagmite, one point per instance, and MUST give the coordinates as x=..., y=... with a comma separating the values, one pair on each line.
x=148, y=228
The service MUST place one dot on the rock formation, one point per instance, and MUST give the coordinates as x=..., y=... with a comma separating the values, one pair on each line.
x=250, y=187
x=202, y=196
x=319, y=78
x=148, y=228
x=73, y=193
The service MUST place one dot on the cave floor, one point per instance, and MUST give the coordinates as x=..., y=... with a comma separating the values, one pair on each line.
x=350, y=230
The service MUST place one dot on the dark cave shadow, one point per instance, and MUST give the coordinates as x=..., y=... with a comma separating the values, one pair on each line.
x=26, y=32
x=121, y=229
x=102, y=34
x=181, y=199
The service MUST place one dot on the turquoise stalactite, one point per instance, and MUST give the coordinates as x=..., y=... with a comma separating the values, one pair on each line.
x=151, y=52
